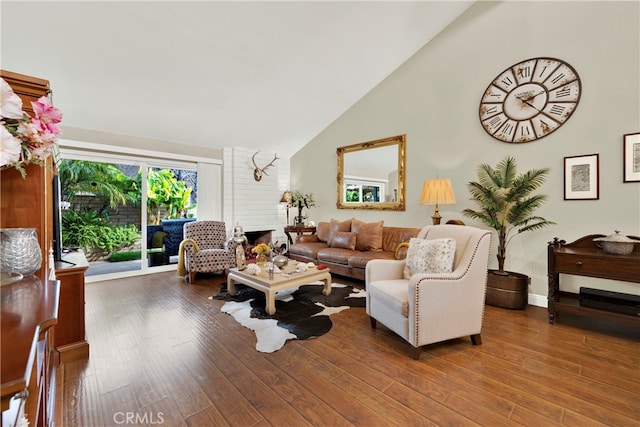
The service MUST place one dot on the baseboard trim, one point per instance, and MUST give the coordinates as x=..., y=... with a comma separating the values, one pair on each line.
x=538, y=300
x=74, y=351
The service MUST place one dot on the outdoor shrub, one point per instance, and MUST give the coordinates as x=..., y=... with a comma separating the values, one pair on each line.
x=165, y=191
x=124, y=256
x=89, y=230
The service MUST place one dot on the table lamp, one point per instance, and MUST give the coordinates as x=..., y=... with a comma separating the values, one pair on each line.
x=286, y=198
x=437, y=192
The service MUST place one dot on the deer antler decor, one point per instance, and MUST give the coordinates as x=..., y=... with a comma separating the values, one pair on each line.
x=257, y=172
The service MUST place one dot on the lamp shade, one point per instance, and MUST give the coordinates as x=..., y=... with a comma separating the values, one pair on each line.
x=286, y=197
x=437, y=192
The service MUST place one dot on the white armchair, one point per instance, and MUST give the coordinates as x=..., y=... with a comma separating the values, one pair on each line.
x=432, y=307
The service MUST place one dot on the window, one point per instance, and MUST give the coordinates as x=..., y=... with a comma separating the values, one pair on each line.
x=145, y=210
x=360, y=191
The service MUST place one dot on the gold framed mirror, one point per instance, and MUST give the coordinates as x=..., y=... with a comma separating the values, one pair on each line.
x=371, y=175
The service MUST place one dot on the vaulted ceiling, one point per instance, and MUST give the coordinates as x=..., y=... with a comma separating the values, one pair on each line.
x=268, y=75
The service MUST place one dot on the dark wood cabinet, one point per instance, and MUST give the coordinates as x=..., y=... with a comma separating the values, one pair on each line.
x=29, y=307
x=69, y=335
x=28, y=202
x=31, y=346
x=583, y=258
x=28, y=374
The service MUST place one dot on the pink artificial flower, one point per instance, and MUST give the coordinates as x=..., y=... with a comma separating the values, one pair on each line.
x=10, y=103
x=41, y=152
x=29, y=132
x=10, y=147
x=47, y=116
x=26, y=139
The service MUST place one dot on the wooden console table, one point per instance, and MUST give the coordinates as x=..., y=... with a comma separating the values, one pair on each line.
x=69, y=335
x=583, y=258
x=298, y=230
x=29, y=313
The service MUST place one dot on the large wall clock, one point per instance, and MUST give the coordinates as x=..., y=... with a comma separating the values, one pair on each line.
x=530, y=99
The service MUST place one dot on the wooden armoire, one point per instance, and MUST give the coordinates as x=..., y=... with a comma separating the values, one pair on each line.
x=27, y=202
x=56, y=330
x=29, y=357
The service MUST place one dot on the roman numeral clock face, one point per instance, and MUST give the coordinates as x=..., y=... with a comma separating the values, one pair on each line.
x=530, y=100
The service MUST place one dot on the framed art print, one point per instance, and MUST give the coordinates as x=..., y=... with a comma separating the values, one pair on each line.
x=581, y=177
x=631, y=158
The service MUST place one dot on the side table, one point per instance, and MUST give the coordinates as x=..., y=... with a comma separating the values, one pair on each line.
x=583, y=258
x=298, y=230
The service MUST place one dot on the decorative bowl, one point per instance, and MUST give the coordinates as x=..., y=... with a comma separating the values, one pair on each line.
x=280, y=261
x=615, y=243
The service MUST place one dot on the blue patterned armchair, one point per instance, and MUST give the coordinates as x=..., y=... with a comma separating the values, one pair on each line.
x=205, y=249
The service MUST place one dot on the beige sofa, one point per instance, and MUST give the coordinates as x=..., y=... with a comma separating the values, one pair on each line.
x=347, y=246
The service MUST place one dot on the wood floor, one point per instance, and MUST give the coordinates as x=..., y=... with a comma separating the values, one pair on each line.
x=162, y=353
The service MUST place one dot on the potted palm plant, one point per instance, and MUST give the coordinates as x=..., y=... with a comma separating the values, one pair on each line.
x=506, y=203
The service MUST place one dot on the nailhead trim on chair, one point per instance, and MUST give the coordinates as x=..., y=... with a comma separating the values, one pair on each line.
x=417, y=293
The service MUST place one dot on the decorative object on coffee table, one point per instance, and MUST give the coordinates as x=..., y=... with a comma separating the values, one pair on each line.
x=507, y=205
x=261, y=250
x=240, y=239
x=279, y=259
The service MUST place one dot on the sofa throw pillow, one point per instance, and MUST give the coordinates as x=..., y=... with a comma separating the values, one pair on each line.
x=344, y=240
x=335, y=226
x=368, y=235
x=322, y=231
x=429, y=256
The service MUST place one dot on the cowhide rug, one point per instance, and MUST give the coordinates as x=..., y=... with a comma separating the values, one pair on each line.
x=301, y=313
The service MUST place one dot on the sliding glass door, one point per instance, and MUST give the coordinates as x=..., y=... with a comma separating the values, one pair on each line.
x=171, y=200
x=125, y=214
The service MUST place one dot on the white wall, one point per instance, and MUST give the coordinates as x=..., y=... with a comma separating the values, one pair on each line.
x=129, y=142
x=434, y=98
x=255, y=205
x=210, y=191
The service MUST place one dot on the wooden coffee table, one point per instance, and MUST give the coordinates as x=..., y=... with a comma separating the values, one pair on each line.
x=279, y=282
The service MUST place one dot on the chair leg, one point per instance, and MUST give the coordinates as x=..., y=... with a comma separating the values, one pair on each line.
x=192, y=277
x=476, y=339
x=373, y=322
x=416, y=352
